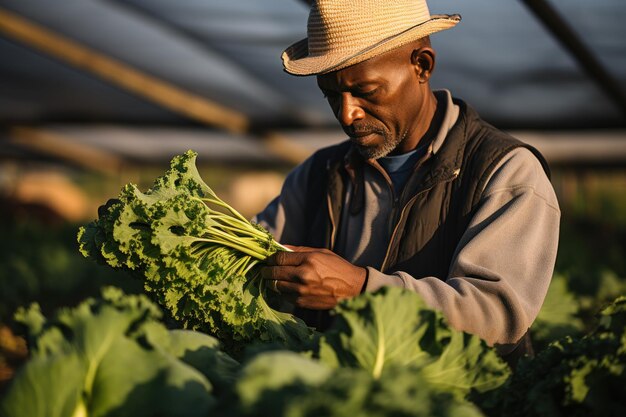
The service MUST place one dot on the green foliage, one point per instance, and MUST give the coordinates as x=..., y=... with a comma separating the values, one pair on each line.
x=116, y=359
x=592, y=240
x=574, y=376
x=201, y=352
x=270, y=380
x=290, y=385
x=394, y=328
x=591, y=258
x=40, y=263
x=386, y=354
x=37, y=390
x=398, y=392
x=111, y=357
x=558, y=316
x=197, y=256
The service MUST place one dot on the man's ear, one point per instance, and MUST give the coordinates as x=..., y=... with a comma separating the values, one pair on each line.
x=423, y=61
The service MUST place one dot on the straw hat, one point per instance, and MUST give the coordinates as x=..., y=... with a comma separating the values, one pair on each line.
x=345, y=32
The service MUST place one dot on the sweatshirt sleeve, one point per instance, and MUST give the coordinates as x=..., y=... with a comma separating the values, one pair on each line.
x=287, y=208
x=504, y=262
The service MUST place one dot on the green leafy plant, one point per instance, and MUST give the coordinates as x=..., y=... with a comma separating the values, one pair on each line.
x=291, y=385
x=111, y=357
x=394, y=328
x=559, y=315
x=40, y=263
x=198, y=257
x=577, y=377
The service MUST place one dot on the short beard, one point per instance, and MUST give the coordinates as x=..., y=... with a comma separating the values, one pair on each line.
x=375, y=152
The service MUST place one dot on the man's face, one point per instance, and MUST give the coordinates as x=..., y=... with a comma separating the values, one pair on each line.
x=377, y=102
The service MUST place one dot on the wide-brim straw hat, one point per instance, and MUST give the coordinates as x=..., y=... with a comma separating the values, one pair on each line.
x=345, y=32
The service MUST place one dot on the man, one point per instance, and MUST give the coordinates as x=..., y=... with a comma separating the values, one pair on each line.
x=423, y=195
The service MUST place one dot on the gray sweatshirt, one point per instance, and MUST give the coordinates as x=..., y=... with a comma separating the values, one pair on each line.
x=503, y=263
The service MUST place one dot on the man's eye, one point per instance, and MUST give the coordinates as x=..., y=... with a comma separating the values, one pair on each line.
x=365, y=94
x=329, y=94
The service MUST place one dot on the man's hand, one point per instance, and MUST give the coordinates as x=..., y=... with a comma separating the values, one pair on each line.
x=313, y=278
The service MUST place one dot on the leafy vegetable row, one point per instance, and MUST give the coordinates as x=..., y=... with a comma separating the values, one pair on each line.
x=116, y=358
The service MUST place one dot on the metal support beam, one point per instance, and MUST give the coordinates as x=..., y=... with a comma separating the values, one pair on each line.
x=120, y=74
x=244, y=72
x=134, y=81
x=574, y=45
x=59, y=146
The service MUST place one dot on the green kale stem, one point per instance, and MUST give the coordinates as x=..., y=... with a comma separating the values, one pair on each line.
x=233, y=230
x=237, y=244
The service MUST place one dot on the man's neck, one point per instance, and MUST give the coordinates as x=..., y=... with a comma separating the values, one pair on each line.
x=430, y=119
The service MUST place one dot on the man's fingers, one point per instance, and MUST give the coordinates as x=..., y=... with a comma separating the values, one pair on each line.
x=308, y=249
x=280, y=273
x=301, y=248
x=297, y=257
x=283, y=258
x=301, y=296
x=288, y=289
x=293, y=295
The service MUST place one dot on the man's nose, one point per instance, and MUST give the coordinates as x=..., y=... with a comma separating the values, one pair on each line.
x=349, y=110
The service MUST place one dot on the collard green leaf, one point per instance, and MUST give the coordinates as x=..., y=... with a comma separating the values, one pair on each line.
x=400, y=391
x=283, y=384
x=104, y=358
x=275, y=370
x=373, y=330
x=133, y=381
x=393, y=327
x=47, y=386
x=198, y=350
x=267, y=384
x=466, y=364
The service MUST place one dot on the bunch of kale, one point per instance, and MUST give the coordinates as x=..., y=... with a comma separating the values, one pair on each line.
x=197, y=256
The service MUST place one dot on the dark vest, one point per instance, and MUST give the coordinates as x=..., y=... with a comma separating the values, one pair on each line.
x=437, y=205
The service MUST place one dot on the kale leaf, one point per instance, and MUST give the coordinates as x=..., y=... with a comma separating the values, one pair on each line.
x=285, y=384
x=393, y=327
x=111, y=357
x=197, y=256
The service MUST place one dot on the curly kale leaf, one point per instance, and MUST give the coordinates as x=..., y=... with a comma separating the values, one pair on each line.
x=197, y=256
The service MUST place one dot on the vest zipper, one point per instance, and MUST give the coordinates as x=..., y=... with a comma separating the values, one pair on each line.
x=333, y=224
x=402, y=213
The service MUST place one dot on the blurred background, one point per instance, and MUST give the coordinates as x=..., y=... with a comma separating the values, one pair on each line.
x=98, y=93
